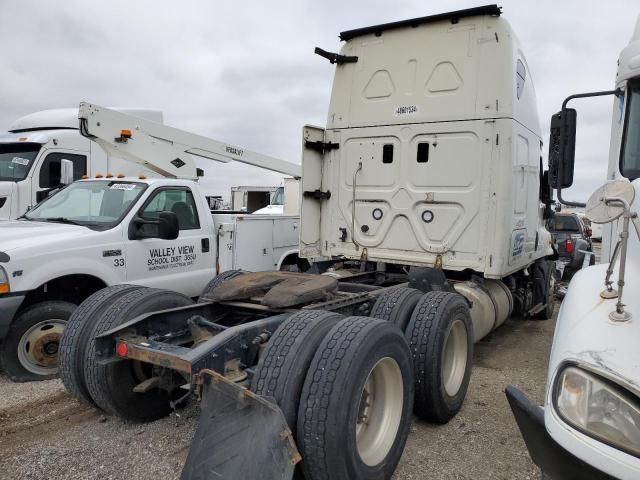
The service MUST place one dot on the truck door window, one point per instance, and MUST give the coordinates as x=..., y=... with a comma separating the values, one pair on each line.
x=177, y=200
x=16, y=160
x=50, y=170
x=630, y=154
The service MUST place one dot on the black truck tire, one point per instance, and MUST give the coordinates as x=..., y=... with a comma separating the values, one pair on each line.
x=355, y=407
x=111, y=385
x=283, y=366
x=544, y=288
x=216, y=281
x=440, y=335
x=396, y=305
x=29, y=352
x=76, y=336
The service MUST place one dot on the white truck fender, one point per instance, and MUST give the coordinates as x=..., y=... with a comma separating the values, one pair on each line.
x=286, y=255
x=61, y=267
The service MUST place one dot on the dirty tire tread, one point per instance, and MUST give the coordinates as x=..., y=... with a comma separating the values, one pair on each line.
x=97, y=375
x=282, y=368
x=422, y=334
x=396, y=305
x=216, y=281
x=8, y=358
x=76, y=335
x=340, y=349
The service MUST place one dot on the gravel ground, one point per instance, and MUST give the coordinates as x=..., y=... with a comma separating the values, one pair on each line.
x=46, y=434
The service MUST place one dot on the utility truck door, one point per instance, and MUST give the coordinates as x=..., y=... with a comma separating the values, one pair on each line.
x=184, y=264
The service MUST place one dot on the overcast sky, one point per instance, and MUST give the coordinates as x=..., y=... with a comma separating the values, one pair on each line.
x=245, y=72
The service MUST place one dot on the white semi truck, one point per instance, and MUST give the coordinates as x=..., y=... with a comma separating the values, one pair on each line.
x=423, y=209
x=589, y=426
x=31, y=155
x=104, y=231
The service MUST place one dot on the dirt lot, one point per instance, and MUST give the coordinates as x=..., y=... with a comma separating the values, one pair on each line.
x=45, y=434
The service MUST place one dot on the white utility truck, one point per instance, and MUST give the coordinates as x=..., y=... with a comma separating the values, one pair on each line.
x=423, y=211
x=589, y=426
x=115, y=229
x=31, y=155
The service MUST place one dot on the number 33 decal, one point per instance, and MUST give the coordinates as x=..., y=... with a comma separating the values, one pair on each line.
x=118, y=262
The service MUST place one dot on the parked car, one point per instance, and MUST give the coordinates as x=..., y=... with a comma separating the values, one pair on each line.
x=572, y=238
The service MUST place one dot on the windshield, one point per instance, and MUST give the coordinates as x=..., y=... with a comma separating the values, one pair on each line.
x=630, y=158
x=278, y=197
x=16, y=160
x=94, y=204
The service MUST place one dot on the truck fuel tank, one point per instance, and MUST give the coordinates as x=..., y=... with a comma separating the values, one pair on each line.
x=491, y=305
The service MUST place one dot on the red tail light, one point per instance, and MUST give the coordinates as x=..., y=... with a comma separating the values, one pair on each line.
x=568, y=246
x=122, y=350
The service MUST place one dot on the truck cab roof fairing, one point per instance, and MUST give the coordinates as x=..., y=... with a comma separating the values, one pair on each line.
x=454, y=16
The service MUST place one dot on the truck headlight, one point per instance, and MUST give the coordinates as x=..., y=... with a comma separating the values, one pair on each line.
x=598, y=408
x=4, y=281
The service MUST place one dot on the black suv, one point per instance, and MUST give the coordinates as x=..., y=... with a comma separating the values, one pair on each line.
x=571, y=238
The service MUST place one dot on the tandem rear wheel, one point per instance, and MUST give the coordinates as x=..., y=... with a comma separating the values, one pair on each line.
x=110, y=386
x=346, y=386
x=438, y=327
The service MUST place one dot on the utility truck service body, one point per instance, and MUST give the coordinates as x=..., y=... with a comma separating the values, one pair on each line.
x=105, y=231
x=423, y=214
x=589, y=426
x=32, y=150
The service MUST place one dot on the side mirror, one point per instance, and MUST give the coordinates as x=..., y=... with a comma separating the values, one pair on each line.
x=588, y=232
x=168, y=227
x=66, y=171
x=562, y=148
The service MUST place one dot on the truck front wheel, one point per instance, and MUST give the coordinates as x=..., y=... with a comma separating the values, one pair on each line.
x=30, y=350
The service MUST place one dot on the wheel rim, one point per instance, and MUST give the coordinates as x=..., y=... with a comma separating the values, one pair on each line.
x=380, y=411
x=38, y=347
x=454, y=361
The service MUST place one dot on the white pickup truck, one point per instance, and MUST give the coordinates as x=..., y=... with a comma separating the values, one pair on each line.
x=156, y=232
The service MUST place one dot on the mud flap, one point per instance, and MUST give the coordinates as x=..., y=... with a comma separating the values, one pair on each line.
x=240, y=435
